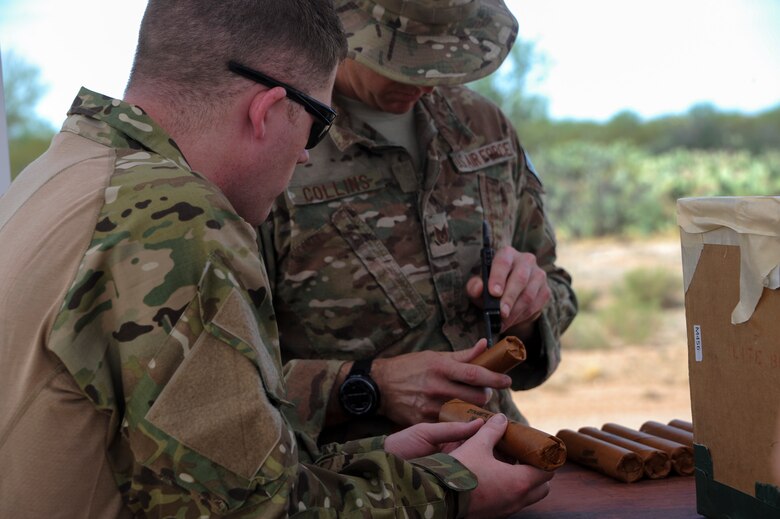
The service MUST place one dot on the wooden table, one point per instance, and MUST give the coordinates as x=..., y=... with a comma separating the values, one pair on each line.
x=580, y=493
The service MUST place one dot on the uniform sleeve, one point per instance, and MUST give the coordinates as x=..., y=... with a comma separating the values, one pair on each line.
x=207, y=433
x=170, y=331
x=535, y=234
x=309, y=382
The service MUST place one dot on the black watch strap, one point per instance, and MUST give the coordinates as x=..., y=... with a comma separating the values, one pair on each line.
x=359, y=394
x=362, y=366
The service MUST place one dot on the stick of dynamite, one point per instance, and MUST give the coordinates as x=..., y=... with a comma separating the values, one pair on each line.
x=521, y=442
x=681, y=455
x=607, y=458
x=682, y=424
x=668, y=432
x=656, y=462
x=508, y=353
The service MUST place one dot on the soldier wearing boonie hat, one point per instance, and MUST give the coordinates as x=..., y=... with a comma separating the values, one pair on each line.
x=374, y=248
x=429, y=42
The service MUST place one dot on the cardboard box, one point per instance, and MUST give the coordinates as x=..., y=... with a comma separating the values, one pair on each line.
x=731, y=253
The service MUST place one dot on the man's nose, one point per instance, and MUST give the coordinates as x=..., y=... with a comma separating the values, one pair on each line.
x=303, y=157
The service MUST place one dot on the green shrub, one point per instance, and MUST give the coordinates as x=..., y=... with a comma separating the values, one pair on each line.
x=619, y=189
x=634, y=312
x=586, y=332
x=587, y=299
x=629, y=313
x=656, y=287
x=631, y=319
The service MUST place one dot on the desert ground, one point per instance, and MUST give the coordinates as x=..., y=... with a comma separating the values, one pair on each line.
x=620, y=382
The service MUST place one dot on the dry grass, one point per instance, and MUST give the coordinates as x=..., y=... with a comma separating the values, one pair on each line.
x=609, y=375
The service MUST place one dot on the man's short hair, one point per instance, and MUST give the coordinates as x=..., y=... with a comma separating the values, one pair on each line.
x=184, y=45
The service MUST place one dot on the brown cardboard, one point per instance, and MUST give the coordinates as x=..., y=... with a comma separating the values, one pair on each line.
x=733, y=346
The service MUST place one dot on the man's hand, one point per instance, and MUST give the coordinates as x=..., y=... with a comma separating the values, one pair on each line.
x=415, y=385
x=429, y=438
x=504, y=489
x=522, y=287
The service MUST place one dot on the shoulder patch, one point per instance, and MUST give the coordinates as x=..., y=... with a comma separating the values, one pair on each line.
x=480, y=158
x=530, y=166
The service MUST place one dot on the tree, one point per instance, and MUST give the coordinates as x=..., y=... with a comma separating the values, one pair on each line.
x=507, y=87
x=28, y=133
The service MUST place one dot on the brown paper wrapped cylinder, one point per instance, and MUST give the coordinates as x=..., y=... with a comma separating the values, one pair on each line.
x=681, y=455
x=521, y=442
x=503, y=356
x=668, y=432
x=607, y=458
x=682, y=424
x=656, y=462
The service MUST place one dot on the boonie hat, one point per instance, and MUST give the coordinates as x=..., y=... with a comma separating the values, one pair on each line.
x=428, y=42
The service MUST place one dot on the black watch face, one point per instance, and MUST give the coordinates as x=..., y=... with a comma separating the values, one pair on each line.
x=358, y=396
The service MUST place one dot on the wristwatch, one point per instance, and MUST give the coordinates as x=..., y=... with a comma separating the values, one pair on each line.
x=359, y=394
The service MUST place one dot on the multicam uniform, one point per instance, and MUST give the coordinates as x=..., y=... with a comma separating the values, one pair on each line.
x=137, y=340
x=369, y=257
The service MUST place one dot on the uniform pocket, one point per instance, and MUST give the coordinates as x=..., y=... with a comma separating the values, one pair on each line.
x=500, y=206
x=378, y=261
x=347, y=291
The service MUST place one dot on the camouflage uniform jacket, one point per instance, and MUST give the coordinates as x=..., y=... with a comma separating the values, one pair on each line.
x=369, y=257
x=168, y=330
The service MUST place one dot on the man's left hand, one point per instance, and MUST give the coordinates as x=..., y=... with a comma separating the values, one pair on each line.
x=520, y=284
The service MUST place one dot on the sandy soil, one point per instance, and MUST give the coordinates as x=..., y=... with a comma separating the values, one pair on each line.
x=621, y=383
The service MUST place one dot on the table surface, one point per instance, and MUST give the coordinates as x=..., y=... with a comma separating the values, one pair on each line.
x=580, y=493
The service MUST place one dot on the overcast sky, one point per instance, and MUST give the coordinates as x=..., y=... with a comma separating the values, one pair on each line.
x=603, y=56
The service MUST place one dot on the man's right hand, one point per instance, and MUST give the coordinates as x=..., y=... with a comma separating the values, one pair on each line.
x=503, y=489
x=415, y=385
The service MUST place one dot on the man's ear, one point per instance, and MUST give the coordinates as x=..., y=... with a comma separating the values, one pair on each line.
x=260, y=108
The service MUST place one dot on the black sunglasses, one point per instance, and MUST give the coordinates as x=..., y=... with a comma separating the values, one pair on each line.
x=323, y=114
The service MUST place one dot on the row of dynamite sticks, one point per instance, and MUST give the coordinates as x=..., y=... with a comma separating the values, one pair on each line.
x=654, y=451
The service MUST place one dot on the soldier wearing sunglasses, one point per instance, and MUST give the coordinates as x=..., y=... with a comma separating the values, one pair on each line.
x=139, y=366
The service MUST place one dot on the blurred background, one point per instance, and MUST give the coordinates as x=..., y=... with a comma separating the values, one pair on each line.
x=624, y=107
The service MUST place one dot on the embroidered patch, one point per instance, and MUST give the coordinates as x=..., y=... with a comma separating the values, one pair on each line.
x=333, y=189
x=480, y=158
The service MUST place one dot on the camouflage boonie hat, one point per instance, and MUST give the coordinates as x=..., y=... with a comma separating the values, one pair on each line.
x=428, y=42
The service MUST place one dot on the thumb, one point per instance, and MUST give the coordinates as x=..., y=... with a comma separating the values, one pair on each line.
x=490, y=433
x=474, y=289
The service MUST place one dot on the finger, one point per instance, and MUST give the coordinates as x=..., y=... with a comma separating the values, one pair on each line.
x=531, y=302
x=439, y=433
x=471, y=353
x=474, y=290
x=537, y=289
x=478, y=396
x=522, y=307
x=536, y=494
x=517, y=282
x=490, y=433
x=503, y=263
x=473, y=375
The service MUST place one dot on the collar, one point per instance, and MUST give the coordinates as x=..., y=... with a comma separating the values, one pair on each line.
x=433, y=110
x=128, y=126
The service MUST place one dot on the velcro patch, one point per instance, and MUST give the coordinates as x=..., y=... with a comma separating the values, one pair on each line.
x=480, y=158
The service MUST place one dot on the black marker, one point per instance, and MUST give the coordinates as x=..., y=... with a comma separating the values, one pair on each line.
x=491, y=307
